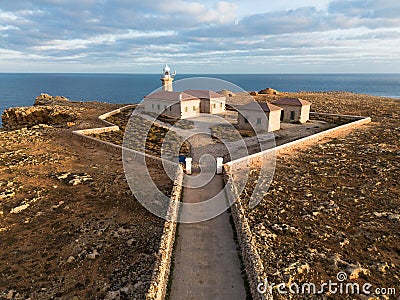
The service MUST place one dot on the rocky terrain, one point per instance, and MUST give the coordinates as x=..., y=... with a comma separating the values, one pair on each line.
x=20, y=117
x=335, y=207
x=53, y=110
x=71, y=229
x=69, y=225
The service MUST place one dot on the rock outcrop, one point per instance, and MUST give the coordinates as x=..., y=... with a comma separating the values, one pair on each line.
x=19, y=117
x=46, y=99
x=269, y=91
x=227, y=93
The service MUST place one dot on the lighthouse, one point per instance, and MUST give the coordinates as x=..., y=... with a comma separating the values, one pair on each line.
x=167, y=78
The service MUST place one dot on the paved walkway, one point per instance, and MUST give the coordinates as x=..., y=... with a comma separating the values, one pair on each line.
x=206, y=263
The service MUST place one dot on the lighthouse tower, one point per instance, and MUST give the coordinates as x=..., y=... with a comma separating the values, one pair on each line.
x=167, y=78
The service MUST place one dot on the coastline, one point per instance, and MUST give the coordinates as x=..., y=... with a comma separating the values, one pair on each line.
x=19, y=89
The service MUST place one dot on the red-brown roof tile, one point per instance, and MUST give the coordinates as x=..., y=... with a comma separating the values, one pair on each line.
x=204, y=94
x=170, y=96
x=291, y=101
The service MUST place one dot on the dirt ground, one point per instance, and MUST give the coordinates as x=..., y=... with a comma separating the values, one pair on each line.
x=80, y=235
x=334, y=207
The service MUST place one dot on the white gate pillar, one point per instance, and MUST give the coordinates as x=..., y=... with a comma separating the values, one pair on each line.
x=220, y=162
x=188, y=161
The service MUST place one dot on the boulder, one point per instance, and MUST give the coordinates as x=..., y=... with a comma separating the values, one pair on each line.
x=269, y=91
x=19, y=117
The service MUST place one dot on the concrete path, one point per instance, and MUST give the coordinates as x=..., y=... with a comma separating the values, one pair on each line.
x=206, y=263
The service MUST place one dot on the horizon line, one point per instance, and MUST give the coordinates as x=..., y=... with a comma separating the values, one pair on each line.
x=178, y=74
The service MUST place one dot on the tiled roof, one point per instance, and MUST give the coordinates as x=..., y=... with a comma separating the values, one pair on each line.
x=267, y=107
x=170, y=96
x=204, y=94
x=291, y=101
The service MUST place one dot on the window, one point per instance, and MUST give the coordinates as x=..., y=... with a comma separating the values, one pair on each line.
x=258, y=121
x=152, y=105
x=282, y=114
x=194, y=108
x=292, y=115
x=186, y=109
x=158, y=106
x=214, y=105
x=170, y=108
x=220, y=104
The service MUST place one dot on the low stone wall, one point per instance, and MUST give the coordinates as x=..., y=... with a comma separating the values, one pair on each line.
x=252, y=262
x=251, y=259
x=84, y=137
x=159, y=281
x=255, y=160
x=103, y=117
x=98, y=130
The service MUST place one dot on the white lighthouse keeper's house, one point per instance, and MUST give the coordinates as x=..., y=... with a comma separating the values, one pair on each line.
x=182, y=105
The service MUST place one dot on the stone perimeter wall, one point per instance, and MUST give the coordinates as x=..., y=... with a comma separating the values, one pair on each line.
x=252, y=262
x=251, y=259
x=255, y=160
x=159, y=281
x=160, y=277
x=83, y=136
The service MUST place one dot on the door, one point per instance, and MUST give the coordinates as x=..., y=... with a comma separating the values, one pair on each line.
x=292, y=115
x=205, y=106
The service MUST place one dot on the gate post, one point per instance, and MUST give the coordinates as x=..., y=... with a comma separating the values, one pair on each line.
x=220, y=162
x=188, y=161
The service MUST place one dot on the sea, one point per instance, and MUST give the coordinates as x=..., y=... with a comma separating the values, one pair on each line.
x=18, y=89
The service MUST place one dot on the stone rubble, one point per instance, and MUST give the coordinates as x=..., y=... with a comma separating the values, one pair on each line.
x=74, y=179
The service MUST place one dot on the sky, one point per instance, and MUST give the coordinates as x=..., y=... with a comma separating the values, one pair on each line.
x=200, y=37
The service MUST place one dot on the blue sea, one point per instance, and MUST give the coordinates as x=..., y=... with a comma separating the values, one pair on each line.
x=21, y=89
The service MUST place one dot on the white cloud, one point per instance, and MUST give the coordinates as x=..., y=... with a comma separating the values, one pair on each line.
x=7, y=16
x=192, y=33
x=221, y=12
x=74, y=44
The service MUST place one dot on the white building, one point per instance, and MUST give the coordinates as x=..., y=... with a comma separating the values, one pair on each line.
x=182, y=105
x=260, y=116
x=294, y=110
x=178, y=105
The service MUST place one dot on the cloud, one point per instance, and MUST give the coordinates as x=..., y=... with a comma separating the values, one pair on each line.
x=195, y=32
x=366, y=8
